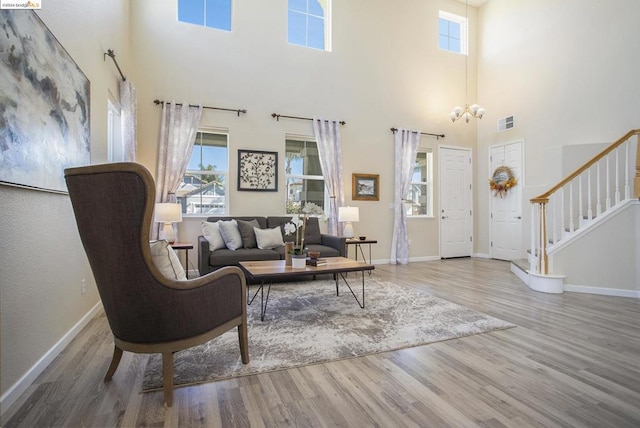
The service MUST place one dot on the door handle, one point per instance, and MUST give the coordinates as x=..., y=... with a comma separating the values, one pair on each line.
x=518, y=217
x=444, y=216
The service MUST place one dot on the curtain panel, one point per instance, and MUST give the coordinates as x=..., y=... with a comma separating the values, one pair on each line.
x=406, y=147
x=327, y=133
x=177, y=135
x=129, y=121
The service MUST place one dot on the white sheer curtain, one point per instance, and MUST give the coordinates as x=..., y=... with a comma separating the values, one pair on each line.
x=177, y=136
x=327, y=134
x=406, y=147
x=128, y=120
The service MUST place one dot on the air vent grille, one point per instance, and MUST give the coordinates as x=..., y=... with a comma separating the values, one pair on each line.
x=506, y=123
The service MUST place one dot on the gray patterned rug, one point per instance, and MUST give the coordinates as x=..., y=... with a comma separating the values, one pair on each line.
x=306, y=323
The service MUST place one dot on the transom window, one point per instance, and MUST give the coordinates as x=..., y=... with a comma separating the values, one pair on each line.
x=303, y=173
x=453, y=33
x=309, y=23
x=203, y=187
x=209, y=13
x=419, y=201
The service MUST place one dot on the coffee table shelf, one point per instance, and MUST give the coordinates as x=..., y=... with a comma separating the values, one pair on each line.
x=267, y=271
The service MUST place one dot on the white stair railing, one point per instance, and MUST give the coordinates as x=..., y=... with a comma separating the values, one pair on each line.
x=570, y=205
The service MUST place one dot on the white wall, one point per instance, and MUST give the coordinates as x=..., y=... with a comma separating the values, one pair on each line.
x=43, y=261
x=385, y=70
x=568, y=72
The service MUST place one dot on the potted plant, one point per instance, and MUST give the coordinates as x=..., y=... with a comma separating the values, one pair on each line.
x=298, y=225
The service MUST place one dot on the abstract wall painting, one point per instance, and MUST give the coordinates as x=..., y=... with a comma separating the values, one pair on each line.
x=44, y=105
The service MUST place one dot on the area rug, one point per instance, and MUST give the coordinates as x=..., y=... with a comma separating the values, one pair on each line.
x=306, y=323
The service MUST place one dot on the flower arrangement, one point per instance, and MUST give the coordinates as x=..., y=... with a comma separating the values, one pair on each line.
x=502, y=181
x=298, y=225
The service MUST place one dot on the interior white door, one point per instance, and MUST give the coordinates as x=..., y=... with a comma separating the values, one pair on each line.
x=456, y=202
x=506, y=211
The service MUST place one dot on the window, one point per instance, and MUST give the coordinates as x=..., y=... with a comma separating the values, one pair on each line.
x=309, y=23
x=420, y=198
x=203, y=187
x=210, y=13
x=452, y=33
x=303, y=173
x=115, y=144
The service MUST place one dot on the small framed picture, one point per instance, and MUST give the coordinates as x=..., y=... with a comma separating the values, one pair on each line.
x=257, y=170
x=365, y=187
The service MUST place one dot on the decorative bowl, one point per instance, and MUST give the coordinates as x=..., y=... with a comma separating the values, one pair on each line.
x=314, y=254
x=362, y=238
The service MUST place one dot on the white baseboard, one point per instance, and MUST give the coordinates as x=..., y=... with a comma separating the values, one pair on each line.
x=424, y=259
x=481, y=255
x=524, y=276
x=604, y=291
x=13, y=393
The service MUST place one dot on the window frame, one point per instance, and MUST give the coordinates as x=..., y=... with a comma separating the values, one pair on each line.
x=225, y=173
x=204, y=16
x=327, y=27
x=428, y=183
x=464, y=31
x=287, y=176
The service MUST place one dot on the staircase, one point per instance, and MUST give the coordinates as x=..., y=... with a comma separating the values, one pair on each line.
x=586, y=199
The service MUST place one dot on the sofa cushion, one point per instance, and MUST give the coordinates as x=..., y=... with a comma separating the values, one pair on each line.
x=262, y=221
x=312, y=232
x=268, y=238
x=166, y=260
x=227, y=257
x=247, y=233
x=230, y=234
x=211, y=232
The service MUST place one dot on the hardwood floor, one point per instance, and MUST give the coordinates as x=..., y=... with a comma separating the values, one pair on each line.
x=573, y=361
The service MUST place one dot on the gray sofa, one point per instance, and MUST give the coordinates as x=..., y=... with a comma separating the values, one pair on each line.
x=208, y=261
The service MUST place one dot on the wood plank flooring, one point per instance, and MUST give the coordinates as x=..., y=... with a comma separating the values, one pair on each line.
x=573, y=361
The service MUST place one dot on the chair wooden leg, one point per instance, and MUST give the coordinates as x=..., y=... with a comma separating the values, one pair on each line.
x=167, y=378
x=115, y=361
x=244, y=342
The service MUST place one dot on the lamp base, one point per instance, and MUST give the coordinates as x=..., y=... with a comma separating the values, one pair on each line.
x=348, y=230
x=167, y=233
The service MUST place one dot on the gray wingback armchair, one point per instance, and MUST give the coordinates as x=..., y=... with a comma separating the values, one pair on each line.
x=147, y=312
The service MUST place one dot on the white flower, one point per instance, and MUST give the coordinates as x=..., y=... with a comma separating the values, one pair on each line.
x=312, y=209
x=289, y=228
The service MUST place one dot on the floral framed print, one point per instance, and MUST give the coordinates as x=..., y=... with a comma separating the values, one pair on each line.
x=365, y=187
x=257, y=170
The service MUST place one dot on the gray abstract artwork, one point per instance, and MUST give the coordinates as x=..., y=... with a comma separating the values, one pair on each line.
x=44, y=105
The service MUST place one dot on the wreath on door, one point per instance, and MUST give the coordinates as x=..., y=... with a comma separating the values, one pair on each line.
x=502, y=180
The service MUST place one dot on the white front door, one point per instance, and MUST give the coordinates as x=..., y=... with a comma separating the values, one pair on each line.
x=506, y=211
x=456, y=202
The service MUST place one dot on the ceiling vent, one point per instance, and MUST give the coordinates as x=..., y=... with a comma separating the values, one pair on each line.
x=506, y=123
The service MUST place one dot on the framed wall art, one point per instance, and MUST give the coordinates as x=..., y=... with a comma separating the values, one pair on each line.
x=365, y=187
x=44, y=106
x=257, y=170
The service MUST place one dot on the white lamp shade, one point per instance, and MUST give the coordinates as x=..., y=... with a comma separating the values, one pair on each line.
x=168, y=213
x=347, y=214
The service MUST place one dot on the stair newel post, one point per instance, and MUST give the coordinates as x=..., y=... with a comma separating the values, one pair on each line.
x=541, y=255
x=533, y=265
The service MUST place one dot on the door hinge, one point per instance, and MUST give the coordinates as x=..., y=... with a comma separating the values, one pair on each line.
x=492, y=243
x=470, y=213
x=471, y=239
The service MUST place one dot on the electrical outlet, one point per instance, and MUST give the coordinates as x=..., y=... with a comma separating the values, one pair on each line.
x=83, y=286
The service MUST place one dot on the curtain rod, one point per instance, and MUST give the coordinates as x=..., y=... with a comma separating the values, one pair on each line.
x=438, y=136
x=238, y=111
x=112, y=54
x=278, y=116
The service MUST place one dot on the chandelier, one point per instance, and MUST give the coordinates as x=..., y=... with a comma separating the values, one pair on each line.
x=469, y=111
x=473, y=110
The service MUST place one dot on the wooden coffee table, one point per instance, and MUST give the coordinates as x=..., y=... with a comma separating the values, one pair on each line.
x=270, y=270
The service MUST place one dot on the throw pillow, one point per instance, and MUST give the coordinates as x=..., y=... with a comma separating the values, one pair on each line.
x=230, y=234
x=268, y=238
x=211, y=232
x=166, y=260
x=247, y=233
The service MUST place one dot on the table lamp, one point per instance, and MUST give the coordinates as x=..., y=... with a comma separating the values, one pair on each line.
x=168, y=213
x=348, y=215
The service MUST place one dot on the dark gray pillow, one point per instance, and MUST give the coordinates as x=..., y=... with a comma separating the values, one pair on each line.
x=247, y=233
